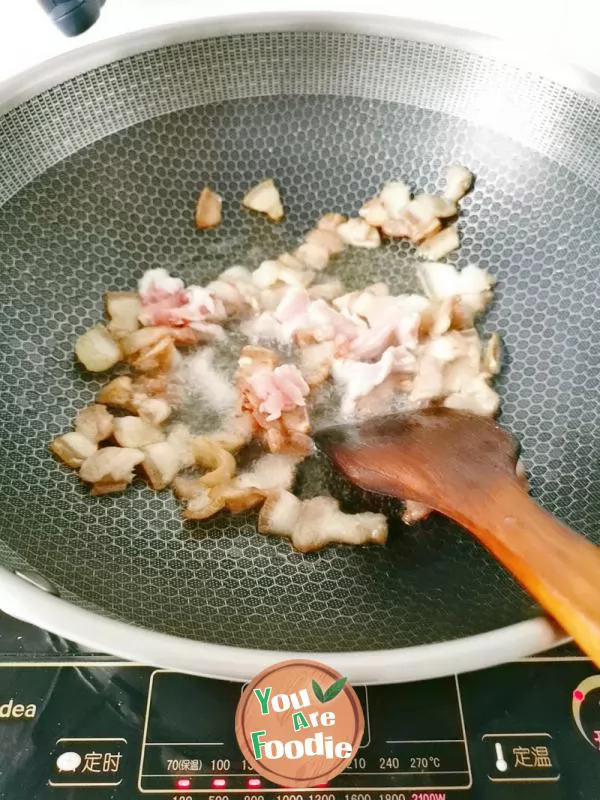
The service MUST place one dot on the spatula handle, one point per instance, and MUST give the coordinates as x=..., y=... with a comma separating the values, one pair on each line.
x=557, y=566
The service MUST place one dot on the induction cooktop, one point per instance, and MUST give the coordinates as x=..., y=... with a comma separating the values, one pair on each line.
x=76, y=724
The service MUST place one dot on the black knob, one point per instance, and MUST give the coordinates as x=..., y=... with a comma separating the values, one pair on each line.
x=72, y=16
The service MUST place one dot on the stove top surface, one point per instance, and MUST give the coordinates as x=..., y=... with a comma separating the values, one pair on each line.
x=76, y=724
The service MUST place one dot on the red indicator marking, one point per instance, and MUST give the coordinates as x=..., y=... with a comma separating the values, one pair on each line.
x=578, y=695
x=183, y=783
x=254, y=783
x=219, y=783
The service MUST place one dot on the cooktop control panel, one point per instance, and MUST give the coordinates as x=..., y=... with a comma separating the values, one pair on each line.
x=528, y=730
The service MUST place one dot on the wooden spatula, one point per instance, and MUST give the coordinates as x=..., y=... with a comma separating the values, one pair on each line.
x=464, y=467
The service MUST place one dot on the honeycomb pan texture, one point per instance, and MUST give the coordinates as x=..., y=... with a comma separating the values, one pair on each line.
x=99, y=184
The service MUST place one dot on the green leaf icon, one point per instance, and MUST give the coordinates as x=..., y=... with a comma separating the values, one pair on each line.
x=318, y=692
x=330, y=693
x=334, y=689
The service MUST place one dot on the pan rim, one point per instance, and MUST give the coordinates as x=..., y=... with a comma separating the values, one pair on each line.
x=49, y=73
x=27, y=602
x=23, y=600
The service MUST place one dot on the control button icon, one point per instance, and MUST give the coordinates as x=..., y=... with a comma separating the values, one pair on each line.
x=501, y=763
x=88, y=762
x=521, y=758
x=68, y=762
x=586, y=709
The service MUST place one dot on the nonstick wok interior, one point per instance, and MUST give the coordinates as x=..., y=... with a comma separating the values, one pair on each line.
x=101, y=178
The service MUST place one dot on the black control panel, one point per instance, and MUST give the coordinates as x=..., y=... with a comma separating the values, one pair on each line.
x=108, y=730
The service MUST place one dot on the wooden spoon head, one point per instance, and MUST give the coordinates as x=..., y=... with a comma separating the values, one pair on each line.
x=464, y=467
x=431, y=456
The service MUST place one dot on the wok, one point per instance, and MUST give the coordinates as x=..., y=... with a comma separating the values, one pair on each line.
x=103, y=154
